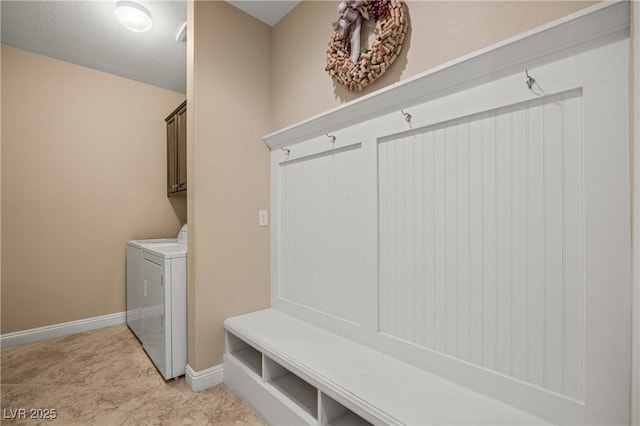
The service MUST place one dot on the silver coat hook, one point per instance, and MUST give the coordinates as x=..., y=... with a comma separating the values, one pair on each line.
x=286, y=151
x=530, y=80
x=407, y=116
x=331, y=138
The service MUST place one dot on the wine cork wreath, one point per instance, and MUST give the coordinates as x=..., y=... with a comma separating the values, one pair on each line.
x=342, y=65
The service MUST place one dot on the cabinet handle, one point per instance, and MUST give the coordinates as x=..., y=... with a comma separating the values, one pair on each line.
x=174, y=186
x=145, y=288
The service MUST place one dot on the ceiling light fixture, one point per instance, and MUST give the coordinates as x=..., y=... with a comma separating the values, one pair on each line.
x=133, y=17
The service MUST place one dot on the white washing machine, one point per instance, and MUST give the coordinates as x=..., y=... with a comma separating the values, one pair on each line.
x=135, y=268
x=164, y=323
x=149, y=274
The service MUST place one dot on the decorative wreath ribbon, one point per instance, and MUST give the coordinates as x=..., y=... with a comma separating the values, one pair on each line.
x=350, y=20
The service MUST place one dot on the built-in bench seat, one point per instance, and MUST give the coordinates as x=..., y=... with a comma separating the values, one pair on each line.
x=293, y=372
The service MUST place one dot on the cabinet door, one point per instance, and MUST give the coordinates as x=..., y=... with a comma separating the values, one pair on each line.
x=172, y=125
x=182, y=149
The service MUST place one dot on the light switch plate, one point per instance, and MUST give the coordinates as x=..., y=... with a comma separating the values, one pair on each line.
x=263, y=218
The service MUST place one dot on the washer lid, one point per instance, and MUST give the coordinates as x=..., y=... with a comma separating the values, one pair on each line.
x=145, y=243
x=167, y=250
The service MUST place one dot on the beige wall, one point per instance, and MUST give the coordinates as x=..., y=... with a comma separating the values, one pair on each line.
x=440, y=31
x=229, y=99
x=83, y=170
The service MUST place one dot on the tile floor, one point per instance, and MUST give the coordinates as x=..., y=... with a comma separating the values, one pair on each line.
x=103, y=377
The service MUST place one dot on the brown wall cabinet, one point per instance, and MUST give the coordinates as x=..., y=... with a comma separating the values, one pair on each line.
x=177, y=150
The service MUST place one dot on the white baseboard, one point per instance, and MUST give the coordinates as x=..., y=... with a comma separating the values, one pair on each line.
x=205, y=379
x=63, y=329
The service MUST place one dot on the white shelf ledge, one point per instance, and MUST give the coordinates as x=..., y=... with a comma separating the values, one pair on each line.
x=511, y=55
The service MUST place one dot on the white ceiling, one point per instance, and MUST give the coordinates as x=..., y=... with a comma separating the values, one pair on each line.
x=86, y=33
x=268, y=11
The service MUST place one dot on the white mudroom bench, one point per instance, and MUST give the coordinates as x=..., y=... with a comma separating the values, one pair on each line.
x=295, y=373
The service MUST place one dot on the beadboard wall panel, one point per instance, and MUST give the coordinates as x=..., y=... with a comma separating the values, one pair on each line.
x=516, y=275
x=326, y=258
